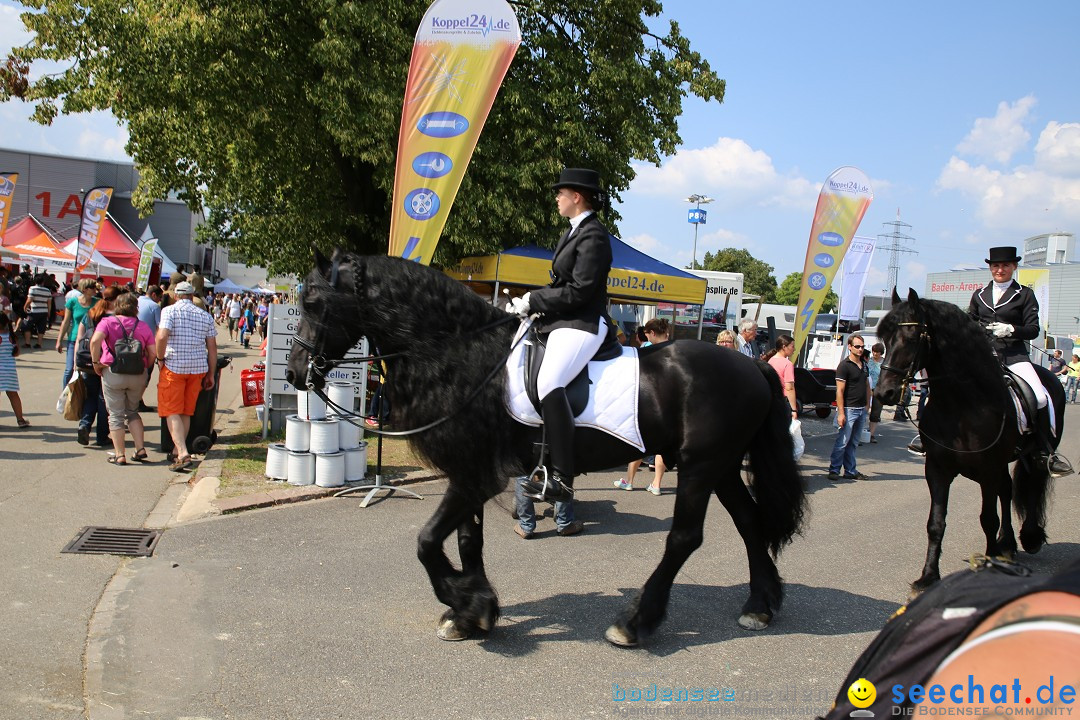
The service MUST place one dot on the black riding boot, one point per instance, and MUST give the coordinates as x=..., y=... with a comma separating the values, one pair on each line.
x=559, y=429
x=1045, y=454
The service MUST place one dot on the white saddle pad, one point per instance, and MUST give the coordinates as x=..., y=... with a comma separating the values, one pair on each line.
x=613, y=395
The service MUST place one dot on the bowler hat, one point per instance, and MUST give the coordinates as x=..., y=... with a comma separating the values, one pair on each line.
x=1005, y=253
x=579, y=178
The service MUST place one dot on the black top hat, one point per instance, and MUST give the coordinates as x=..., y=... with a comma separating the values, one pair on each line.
x=1005, y=253
x=580, y=178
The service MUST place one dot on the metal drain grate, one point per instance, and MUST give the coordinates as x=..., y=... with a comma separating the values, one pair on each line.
x=114, y=541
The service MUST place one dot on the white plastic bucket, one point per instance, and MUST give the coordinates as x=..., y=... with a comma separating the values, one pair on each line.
x=330, y=470
x=341, y=394
x=310, y=406
x=297, y=434
x=349, y=432
x=324, y=437
x=301, y=468
x=356, y=463
x=277, y=462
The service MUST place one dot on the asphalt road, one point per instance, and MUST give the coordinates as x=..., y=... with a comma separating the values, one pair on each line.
x=322, y=610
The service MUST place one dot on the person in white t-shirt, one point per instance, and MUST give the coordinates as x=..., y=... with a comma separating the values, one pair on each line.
x=233, y=311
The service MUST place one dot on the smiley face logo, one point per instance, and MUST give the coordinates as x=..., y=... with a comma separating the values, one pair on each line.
x=862, y=693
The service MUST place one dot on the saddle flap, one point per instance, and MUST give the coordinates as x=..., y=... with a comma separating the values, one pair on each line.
x=1023, y=392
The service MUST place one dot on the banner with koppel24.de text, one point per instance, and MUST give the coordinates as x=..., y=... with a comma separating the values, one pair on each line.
x=842, y=202
x=7, y=196
x=462, y=51
x=95, y=210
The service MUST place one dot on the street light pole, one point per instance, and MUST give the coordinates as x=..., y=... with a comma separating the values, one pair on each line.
x=697, y=217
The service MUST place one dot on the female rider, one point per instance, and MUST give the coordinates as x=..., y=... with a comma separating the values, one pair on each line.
x=573, y=309
x=1010, y=312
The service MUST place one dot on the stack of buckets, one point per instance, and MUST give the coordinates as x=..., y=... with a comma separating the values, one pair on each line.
x=320, y=449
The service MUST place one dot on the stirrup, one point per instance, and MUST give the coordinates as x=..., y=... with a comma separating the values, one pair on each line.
x=1065, y=468
x=544, y=487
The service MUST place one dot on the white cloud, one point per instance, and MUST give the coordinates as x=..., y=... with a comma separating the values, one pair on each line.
x=12, y=32
x=731, y=172
x=1058, y=149
x=1000, y=137
x=1021, y=200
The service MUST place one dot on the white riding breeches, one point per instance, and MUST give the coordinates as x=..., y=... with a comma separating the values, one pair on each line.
x=568, y=352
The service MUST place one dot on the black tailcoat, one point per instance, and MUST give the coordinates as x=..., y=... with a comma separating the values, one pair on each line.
x=577, y=296
x=1017, y=307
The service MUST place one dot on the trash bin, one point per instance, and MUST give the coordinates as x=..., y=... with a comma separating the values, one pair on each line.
x=202, y=435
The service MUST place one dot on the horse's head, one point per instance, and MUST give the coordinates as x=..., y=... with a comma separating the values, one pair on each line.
x=330, y=319
x=906, y=337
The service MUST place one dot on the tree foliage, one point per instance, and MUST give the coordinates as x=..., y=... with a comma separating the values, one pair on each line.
x=757, y=274
x=788, y=293
x=281, y=116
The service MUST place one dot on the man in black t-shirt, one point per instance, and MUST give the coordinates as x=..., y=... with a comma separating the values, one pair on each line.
x=852, y=401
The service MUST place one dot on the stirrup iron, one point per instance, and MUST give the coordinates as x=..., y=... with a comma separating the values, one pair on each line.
x=540, y=481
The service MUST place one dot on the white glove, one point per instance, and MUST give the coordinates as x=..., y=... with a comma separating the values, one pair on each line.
x=1000, y=330
x=519, y=306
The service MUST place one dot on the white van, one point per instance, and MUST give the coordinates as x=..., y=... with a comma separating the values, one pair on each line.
x=871, y=320
x=782, y=315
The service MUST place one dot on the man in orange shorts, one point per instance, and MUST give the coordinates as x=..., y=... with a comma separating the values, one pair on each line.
x=187, y=356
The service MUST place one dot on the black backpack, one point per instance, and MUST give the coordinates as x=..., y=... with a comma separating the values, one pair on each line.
x=920, y=635
x=128, y=352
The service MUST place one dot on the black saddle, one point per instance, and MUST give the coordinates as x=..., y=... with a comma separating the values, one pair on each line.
x=1023, y=392
x=577, y=392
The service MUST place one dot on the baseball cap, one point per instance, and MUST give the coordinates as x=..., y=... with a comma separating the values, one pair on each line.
x=185, y=288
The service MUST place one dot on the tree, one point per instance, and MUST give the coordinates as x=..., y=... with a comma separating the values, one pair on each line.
x=788, y=294
x=757, y=274
x=281, y=116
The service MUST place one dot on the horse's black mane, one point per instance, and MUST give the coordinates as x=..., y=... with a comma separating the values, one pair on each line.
x=960, y=347
x=451, y=339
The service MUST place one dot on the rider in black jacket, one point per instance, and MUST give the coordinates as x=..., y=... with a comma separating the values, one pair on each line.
x=573, y=309
x=1010, y=312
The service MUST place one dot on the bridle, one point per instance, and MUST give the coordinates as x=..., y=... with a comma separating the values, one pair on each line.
x=319, y=365
x=917, y=359
x=917, y=363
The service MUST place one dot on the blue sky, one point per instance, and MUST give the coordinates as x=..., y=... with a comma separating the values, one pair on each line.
x=965, y=116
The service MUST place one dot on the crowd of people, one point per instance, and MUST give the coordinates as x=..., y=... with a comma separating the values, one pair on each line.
x=113, y=337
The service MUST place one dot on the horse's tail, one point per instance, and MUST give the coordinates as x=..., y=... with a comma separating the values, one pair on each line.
x=776, y=481
x=1032, y=483
x=1031, y=492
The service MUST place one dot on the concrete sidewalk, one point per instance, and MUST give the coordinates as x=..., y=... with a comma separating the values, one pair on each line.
x=51, y=488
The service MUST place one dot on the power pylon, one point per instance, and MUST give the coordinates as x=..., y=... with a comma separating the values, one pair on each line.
x=894, y=243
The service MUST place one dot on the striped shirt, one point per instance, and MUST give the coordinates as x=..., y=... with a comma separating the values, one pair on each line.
x=189, y=327
x=39, y=299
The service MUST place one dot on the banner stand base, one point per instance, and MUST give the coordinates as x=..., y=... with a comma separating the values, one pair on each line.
x=372, y=489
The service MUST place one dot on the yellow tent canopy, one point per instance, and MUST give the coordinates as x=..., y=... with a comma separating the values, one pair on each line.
x=634, y=277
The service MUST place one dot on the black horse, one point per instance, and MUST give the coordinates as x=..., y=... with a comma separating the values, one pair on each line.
x=969, y=425
x=700, y=405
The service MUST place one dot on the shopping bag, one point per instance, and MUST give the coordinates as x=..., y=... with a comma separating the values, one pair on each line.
x=75, y=397
x=797, y=439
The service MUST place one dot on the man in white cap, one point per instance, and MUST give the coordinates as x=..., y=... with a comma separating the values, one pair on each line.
x=187, y=359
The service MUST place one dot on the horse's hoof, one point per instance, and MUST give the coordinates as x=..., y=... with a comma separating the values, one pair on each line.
x=1009, y=556
x=754, y=621
x=620, y=636
x=448, y=629
x=485, y=623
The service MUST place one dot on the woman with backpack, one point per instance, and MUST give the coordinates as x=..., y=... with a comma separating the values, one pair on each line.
x=122, y=349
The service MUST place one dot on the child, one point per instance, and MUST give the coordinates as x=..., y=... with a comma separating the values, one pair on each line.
x=9, y=379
